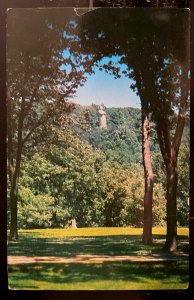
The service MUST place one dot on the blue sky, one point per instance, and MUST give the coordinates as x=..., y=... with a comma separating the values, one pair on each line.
x=102, y=88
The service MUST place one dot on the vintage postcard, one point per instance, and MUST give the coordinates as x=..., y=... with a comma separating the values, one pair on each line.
x=98, y=148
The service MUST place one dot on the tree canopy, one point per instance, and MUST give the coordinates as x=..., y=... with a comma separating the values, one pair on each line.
x=48, y=77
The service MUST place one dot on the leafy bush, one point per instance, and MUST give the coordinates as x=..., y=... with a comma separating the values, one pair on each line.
x=35, y=211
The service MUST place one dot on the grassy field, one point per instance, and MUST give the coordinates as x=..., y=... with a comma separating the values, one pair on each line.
x=101, y=275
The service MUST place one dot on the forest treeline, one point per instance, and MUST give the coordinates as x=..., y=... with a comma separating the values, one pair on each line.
x=96, y=175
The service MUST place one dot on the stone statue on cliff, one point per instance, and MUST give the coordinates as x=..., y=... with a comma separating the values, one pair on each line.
x=102, y=117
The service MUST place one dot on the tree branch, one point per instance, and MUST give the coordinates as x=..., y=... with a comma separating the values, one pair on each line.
x=182, y=109
x=9, y=139
x=38, y=84
x=38, y=124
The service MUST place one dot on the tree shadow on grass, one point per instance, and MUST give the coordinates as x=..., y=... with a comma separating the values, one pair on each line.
x=128, y=272
x=111, y=245
x=101, y=245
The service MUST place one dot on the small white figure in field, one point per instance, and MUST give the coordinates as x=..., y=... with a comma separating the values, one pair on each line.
x=72, y=223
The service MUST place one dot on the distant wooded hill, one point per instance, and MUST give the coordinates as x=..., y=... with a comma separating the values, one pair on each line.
x=121, y=141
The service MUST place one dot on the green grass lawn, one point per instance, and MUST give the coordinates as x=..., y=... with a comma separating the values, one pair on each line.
x=112, y=275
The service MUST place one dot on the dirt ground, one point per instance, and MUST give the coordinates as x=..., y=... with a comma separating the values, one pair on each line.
x=91, y=259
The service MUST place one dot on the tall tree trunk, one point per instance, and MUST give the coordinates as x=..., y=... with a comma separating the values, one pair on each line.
x=15, y=177
x=171, y=207
x=14, y=197
x=146, y=153
x=13, y=222
x=148, y=195
x=16, y=170
x=10, y=161
x=171, y=165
